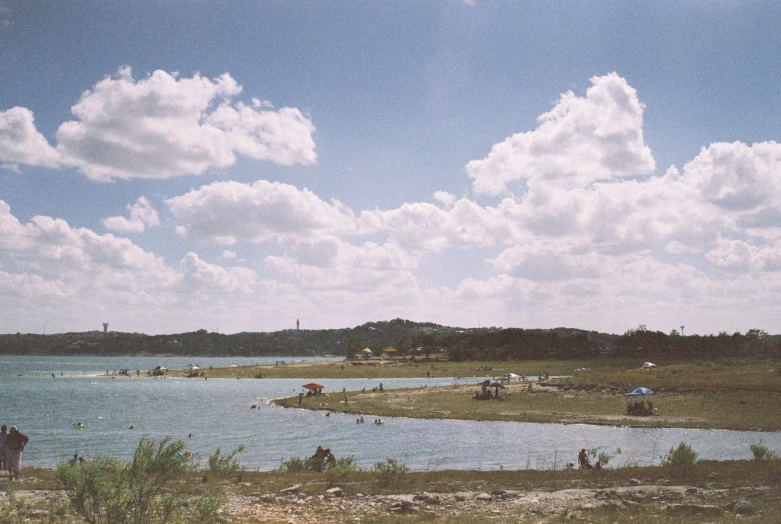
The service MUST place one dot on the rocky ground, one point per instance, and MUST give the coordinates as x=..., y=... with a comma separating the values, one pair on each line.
x=634, y=502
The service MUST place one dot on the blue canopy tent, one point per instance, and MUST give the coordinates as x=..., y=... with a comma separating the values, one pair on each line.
x=639, y=391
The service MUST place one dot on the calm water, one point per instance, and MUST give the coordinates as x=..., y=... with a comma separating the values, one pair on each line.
x=218, y=413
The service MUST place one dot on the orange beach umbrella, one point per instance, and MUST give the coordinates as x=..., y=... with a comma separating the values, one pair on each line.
x=314, y=385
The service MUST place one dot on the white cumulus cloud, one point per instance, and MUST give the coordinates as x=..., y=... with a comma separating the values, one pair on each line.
x=226, y=212
x=163, y=126
x=141, y=215
x=582, y=139
x=21, y=142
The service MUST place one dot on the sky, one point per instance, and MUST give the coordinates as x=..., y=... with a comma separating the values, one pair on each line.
x=169, y=166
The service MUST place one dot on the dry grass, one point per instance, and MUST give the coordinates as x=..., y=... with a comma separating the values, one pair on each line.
x=748, y=374
x=739, y=395
x=393, y=368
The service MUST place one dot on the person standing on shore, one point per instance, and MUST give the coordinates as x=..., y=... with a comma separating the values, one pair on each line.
x=14, y=446
x=3, y=437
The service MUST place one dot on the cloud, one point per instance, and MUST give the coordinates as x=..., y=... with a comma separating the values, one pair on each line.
x=198, y=274
x=142, y=214
x=21, y=142
x=164, y=126
x=227, y=212
x=579, y=141
x=48, y=265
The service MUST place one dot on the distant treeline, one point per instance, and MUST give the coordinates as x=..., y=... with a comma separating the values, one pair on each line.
x=407, y=339
x=519, y=344
x=290, y=342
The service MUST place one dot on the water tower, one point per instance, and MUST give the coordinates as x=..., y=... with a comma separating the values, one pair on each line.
x=681, y=330
x=105, y=327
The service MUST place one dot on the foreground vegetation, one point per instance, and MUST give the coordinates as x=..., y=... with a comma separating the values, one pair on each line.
x=709, y=492
x=722, y=394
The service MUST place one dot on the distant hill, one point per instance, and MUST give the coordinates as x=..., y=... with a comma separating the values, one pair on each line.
x=408, y=338
x=289, y=342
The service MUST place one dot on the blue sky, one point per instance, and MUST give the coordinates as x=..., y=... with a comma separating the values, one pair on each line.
x=171, y=166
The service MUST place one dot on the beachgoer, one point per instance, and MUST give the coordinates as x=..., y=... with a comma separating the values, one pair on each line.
x=583, y=460
x=362, y=421
x=381, y=387
x=330, y=460
x=300, y=398
x=75, y=459
x=320, y=456
x=15, y=444
x=3, y=437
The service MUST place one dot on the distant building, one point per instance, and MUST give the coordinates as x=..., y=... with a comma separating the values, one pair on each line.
x=297, y=325
x=105, y=327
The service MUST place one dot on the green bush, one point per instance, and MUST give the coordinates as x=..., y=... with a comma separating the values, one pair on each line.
x=227, y=465
x=108, y=491
x=762, y=453
x=390, y=472
x=300, y=465
x=340, y=471
x=681, y=457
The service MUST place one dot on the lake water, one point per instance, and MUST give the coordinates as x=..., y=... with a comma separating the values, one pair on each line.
x=217, y=413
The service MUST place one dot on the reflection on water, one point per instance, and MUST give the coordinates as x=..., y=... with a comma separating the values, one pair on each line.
x=218, y=413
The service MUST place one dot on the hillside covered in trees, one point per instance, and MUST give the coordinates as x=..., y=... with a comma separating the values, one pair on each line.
x=408, y=338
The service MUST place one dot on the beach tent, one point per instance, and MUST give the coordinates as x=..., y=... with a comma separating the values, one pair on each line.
x=496, y=385
x=366, y=350
x=647, y=365
x=639, y=391
x=389, y=349
x=511, y=376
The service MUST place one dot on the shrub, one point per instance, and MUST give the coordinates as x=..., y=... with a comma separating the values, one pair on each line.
x=300, y=465
x=762, y=453
x=681, y=457
x=339, y=471
x=109, y=491
x=390, y=472
x=227, y=465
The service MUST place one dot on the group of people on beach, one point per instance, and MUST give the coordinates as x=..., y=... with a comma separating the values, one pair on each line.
x=12, y=445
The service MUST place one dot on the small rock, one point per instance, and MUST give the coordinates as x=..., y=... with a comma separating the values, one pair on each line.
x=336, y=492
x=694, y=509
x=691, y=491
x=663, y=482
x=292, y=489
x=401, y=506
x=484, y=496
x=741, y=507
x=635, y=482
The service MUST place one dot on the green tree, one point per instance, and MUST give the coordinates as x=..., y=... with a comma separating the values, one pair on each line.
x=354, y=346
